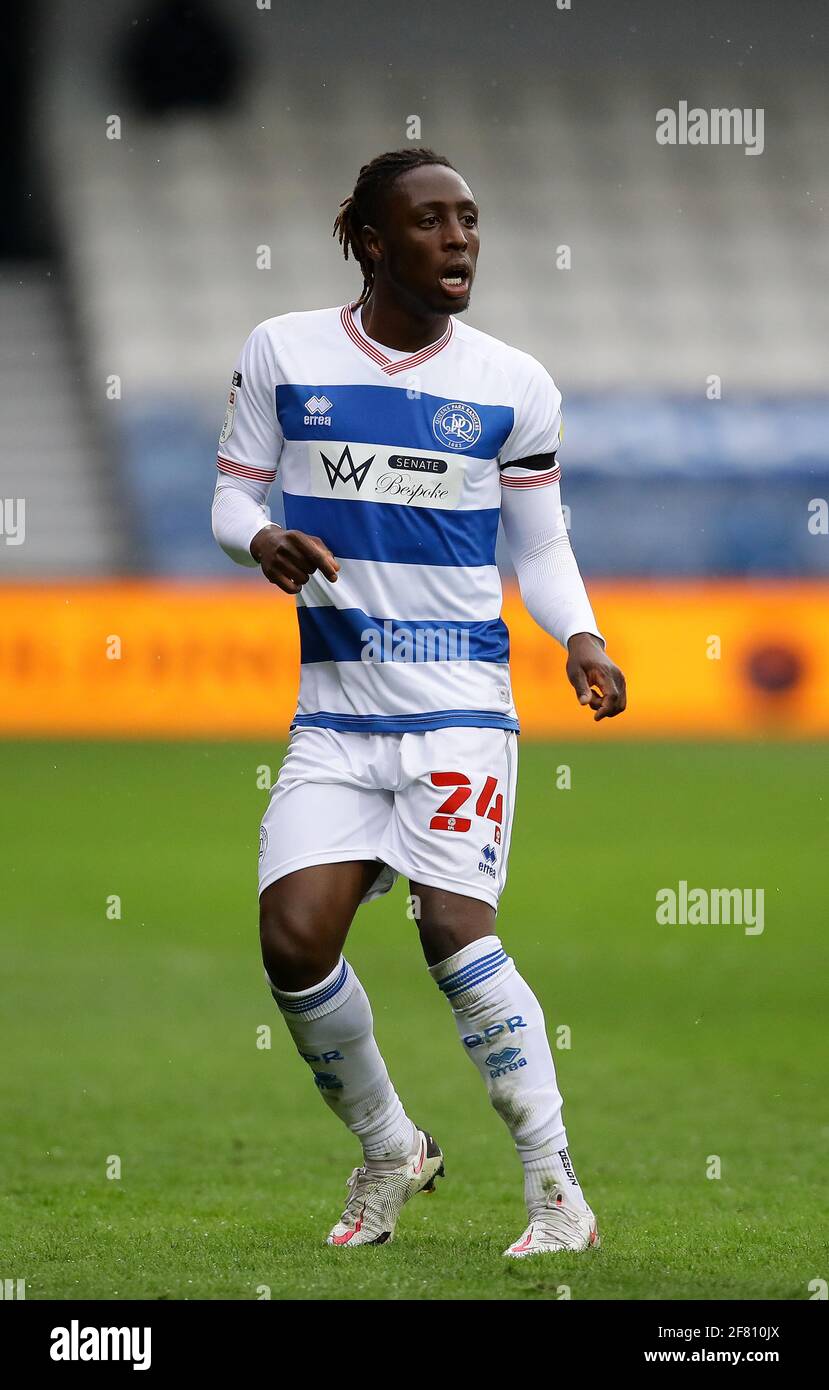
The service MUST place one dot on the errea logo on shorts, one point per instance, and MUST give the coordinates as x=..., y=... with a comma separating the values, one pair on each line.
x=488, y=860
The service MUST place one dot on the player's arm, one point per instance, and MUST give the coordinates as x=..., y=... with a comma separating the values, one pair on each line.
x=539, y=547
x=250, y=446
x=551, y=585
x=243, y=528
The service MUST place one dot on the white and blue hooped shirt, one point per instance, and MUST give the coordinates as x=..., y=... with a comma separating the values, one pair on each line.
x=395, y=461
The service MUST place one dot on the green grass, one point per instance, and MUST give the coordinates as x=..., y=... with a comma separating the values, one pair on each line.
x=137, y=1037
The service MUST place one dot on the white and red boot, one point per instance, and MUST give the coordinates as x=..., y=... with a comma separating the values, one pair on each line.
x=375, y=1200
x=559, y=1224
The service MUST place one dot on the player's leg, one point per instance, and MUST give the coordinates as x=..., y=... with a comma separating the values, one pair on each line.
x=451, y=834
x=502, y=1030
x=330, y=828
x=304, y=919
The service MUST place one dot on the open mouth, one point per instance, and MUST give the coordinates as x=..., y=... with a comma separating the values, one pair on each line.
x=456, y=280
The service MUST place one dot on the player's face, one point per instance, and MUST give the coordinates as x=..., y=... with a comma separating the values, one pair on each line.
x=429, y=240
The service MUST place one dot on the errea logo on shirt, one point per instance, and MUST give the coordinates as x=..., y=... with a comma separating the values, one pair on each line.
x=317, y=407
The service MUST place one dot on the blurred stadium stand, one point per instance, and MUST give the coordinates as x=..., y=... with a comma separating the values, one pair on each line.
x=686, y=263
x=57, y=463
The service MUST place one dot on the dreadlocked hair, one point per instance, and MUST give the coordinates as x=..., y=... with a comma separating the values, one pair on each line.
x=365, y=204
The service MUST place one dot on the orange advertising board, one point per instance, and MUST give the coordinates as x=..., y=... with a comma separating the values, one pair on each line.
x=161, y=658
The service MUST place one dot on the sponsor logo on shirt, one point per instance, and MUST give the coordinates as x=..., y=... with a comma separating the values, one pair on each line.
x=417, y=465
x=395, y=489
x=345, y=470
x=386, y=475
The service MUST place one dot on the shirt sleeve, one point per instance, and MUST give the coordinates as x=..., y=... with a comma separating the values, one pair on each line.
x=239, y=513
x=548, y=576
x=536, y=432
x=251, y=440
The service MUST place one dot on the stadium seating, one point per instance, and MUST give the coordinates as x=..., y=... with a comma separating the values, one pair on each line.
x=686, y=263
x=54, y=459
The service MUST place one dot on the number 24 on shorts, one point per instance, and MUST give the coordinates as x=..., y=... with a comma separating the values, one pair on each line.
x=445, y=817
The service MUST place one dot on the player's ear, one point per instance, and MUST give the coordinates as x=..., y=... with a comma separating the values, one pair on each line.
x=372, y=242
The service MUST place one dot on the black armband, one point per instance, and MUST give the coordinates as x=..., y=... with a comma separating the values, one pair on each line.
x=534, y=461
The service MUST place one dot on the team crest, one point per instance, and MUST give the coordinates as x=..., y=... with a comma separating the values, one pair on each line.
x=456, y=426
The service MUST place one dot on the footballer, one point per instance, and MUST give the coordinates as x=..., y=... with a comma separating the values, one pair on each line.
x=401, y=435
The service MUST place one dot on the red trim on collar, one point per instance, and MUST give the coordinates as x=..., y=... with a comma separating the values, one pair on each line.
x=390, y=367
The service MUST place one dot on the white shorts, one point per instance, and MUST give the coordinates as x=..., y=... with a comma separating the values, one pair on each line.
x=435, y=806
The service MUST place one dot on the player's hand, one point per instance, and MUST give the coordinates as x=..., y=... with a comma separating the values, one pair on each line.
x=596, y=679
x=289, y=558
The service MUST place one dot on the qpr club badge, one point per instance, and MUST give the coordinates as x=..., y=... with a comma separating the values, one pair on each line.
x=456, y=425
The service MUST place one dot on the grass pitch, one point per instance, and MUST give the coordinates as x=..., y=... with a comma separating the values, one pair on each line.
x=136, y=1038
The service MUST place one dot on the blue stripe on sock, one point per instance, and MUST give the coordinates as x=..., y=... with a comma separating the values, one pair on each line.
x=452, y=980
x=312, y=1001
x=473, y=965
x=471, y=984
x=469, y=981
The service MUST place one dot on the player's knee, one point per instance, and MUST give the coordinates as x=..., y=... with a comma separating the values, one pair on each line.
x=290, y=948
x=442, y=937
